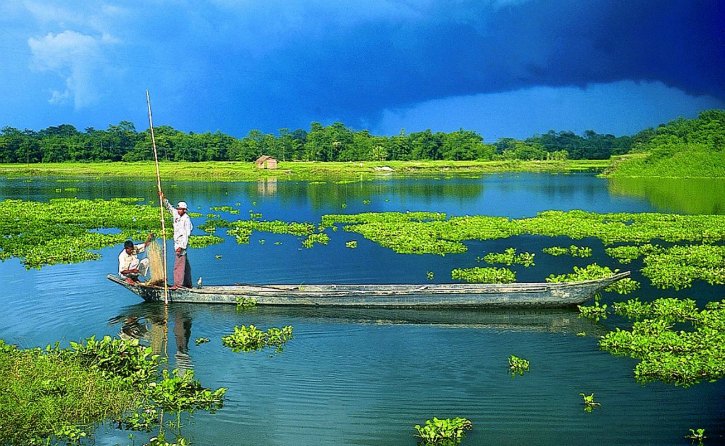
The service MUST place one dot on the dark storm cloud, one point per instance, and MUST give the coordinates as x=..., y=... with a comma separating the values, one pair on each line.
x=463, y=48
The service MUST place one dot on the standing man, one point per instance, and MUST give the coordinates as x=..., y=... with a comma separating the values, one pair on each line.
x=182, y=231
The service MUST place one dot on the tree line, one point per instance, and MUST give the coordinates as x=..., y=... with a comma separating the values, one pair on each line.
x=335, y=142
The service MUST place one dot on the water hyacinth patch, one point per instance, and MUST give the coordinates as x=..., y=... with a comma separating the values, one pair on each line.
x=679, y=357
x=484, y=275
x=510, y=257
x=589, y=272
x=448, y=431
x=518, y=365
x=250, y=338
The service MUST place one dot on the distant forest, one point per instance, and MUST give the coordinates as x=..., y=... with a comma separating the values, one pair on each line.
x=335, y=142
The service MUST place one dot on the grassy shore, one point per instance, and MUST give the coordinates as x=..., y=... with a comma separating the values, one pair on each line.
x=296, y=170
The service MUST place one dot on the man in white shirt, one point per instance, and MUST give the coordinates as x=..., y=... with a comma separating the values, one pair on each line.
x=182, y=231
x=129, y=265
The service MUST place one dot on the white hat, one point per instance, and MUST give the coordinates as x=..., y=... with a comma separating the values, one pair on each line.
x=181, y=205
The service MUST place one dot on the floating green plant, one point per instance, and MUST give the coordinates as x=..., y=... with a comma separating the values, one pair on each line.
x=201, y=241
x=518, y=365
x=595, y=312
x=589, y=403
x=443, y=432
x=680, y=265
x=244, y=302
x=200, y=341
x=318, y=237
x=484, y=275
x=683, y=357
x=510, y=257
x=242, y=229
x=696, y=435
x=251, y=338
x=419, y=233
x=351, y=244
x=589, y=272
x=573, y=250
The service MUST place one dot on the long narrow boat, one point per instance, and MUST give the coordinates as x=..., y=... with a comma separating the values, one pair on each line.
x=538, y=295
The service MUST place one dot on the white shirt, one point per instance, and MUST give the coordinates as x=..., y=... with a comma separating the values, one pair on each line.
x=130, y=261
x=182, y=226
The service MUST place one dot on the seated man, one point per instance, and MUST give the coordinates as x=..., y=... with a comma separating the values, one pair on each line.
x=129, y=265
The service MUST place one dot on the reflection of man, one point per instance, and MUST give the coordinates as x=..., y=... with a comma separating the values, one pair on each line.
x=129, y=265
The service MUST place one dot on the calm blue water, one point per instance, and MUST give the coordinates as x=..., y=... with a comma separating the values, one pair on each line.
x=360, y=377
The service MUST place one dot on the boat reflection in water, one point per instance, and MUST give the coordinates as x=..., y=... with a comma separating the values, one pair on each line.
x=147, y=323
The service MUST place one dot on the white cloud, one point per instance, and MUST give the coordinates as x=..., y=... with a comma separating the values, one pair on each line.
x=75, y=57
x=620, y=108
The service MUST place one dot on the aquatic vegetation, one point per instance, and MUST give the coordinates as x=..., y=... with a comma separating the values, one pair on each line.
x=509, y=257
x=429, y=275
x=67, y=230
x=200, y=341
x=244, y=302
x=351, y=244
x=318, y=237
x=518, y=365
x=595, y=312
x=669, y=309
x=628, y=253
x=683, y=357
x=678, y=266
x=251, y=338
x=432, y=233
x=65, y=394
x=589, y=272
x=696, y=435
x=623, y=286
x=484, y=275
x=201, y=241
x=242, y=229
x=572, y=250
x=448, y=431
x=589, y=403
x=228, y=209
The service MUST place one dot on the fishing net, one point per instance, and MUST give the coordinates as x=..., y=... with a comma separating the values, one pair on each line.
x=156, y=263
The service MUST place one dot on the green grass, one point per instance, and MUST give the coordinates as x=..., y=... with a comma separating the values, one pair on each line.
x=293, y=170
x=44, y=394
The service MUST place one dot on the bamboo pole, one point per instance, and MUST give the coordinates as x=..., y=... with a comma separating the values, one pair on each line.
x=161, y=203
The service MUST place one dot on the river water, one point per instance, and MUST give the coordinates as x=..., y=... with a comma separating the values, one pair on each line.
x=362, y=377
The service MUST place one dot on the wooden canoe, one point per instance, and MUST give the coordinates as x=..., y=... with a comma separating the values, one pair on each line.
x=510, y=295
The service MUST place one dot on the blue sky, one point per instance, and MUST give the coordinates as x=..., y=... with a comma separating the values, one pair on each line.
x=504, y=68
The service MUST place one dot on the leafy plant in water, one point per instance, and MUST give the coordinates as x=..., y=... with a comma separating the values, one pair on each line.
x=244, y=302
x=318, y=237
x=589, y=403
x=595, y=312
x=678, y=357
x=351, y=244
x=200, y=341
x=518, y=365
x=484, y=275
x=251, y=338
x=696, y=435
x=589, y=272
x=509, y=257
x=572, y=250
x=443, y=432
